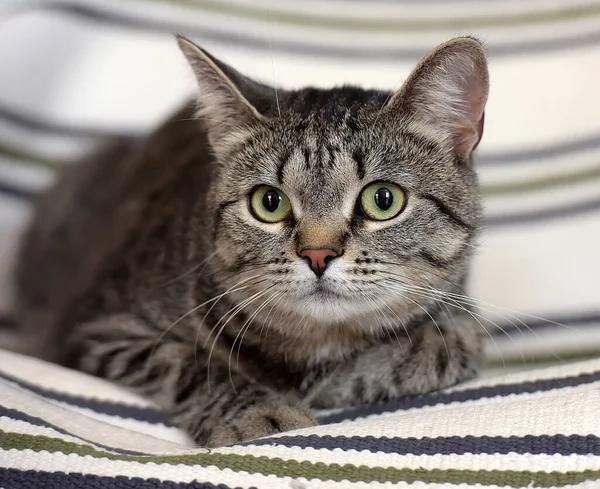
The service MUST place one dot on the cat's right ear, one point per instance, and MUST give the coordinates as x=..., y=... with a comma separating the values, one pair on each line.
x=445, y=95
x=220, y=103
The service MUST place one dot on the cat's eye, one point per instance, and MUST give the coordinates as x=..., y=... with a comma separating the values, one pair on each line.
x=269, y=204
x=381, y=201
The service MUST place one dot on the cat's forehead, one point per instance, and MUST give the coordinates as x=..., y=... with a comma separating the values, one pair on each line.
x=319, y=168
x=330, y=106
x=316, y=160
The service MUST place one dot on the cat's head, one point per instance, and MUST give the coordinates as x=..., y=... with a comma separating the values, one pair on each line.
x=344, y=205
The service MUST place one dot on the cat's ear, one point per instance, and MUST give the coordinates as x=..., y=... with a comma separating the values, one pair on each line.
x=220, y=102
x=446, y=93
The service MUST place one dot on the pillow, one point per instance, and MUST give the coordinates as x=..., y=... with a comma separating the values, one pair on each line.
x=60, y=428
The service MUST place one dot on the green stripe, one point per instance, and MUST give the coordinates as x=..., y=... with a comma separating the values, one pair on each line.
x=28, y=158
x=295, y=469
x=536, y=184
x=313, y=19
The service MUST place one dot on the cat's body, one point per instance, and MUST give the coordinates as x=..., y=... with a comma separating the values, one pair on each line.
x=150, y=265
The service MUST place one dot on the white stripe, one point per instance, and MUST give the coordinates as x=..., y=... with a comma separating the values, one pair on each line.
x=23, y=175
x=541, y=267
x=555, y=342
x=561, y=411
x=390, y=10
x=496, y=401
x=550, y=165
x=115, y=79
x=30, y=142
x=556, y=197
x=549, y=373
x=156, y=430
x=500, y=377
x=547, y=463
x=66, y=381
x=10, y=425
x=86, y=427
x=58, y=462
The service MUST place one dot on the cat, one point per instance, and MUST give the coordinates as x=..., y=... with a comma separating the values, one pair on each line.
x=261, y=255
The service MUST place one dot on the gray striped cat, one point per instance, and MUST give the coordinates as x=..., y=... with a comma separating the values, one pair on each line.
x=259, y=256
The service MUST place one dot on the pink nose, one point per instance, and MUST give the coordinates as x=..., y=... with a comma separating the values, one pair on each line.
x=318, y=259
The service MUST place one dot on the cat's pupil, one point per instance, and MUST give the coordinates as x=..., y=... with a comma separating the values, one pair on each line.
x=384, y=198
x=271, y=200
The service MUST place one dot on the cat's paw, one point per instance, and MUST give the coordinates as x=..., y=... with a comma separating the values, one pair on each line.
x=259, y=421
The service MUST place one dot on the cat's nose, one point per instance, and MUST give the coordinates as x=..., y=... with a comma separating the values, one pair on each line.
x=318, y=259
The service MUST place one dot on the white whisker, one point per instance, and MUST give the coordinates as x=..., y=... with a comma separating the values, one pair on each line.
x=228, y=291
x=458, y=306
x=236, y=309
x=191, y=311
x=243, y=330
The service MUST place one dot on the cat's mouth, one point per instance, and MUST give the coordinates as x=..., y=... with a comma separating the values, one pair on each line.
x=322, y=290
x=328, y=303
x=330, y=293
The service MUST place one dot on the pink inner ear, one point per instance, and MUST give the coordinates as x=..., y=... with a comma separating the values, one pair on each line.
x=468, y=134
x=469, y=129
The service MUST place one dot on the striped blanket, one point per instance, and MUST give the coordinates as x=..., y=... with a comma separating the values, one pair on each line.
x=75, y=71
x=534, y=429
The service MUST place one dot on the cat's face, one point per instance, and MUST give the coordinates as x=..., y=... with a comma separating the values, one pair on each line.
x=345, y=205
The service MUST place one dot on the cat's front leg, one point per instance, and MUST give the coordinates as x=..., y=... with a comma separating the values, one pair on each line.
x=433, y=357
x=229, y=412
x=256, y=416
x=213, y=406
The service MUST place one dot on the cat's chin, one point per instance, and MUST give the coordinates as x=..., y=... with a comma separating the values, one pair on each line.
x=330, y=307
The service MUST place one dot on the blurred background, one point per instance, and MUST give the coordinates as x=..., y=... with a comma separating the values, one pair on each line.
x=74, y=71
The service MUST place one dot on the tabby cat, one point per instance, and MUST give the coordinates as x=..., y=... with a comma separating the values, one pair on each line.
x=261, y=255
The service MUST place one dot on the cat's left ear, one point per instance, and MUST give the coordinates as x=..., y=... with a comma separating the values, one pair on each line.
x=220, y=102
x=445, y=95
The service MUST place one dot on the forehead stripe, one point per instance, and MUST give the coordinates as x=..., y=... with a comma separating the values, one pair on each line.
x=359, y=159
x=283, y=161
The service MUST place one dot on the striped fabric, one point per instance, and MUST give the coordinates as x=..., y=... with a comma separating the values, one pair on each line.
x=535, y=429
x=75, y=71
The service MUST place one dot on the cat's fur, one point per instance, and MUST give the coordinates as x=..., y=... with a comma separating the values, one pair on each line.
x=144, y=265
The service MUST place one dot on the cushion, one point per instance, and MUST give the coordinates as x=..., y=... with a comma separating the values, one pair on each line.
x=539, y=428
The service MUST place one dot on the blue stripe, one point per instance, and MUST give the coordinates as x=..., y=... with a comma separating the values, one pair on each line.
x=530, y=217
x=36, y=124
x=148, y=415
x=35, y=421
x=441, y=398
x=452, y=445
x=15, y=192
x=30, y=479
x=550, y=151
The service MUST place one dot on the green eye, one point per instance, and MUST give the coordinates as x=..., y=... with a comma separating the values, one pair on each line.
x=270, y=204
x=381, y=201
